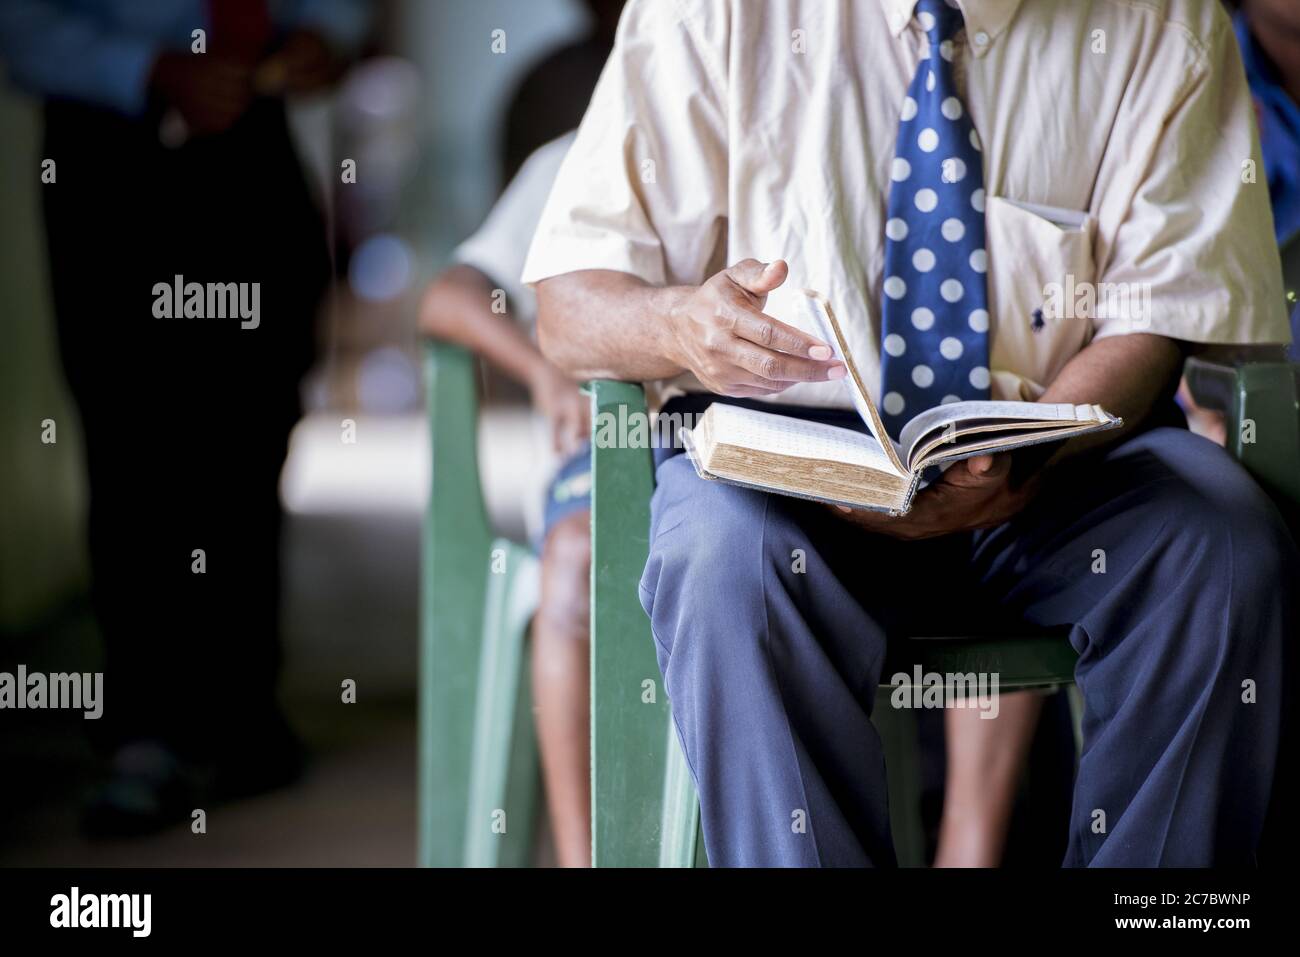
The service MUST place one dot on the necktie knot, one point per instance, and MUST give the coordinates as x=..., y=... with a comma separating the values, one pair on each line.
x=940, y=19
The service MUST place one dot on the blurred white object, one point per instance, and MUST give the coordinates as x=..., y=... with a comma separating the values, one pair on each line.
x=386, y=470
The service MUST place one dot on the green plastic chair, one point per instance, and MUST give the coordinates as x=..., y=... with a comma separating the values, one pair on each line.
x=645, y=811
x=478, y=767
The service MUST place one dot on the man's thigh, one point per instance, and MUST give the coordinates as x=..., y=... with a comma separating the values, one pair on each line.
x=742, y=535
x=1134, y=521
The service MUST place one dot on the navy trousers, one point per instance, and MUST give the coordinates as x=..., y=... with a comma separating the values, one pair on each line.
x=1171, y=568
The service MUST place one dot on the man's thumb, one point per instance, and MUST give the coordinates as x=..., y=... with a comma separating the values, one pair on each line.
x=988, y=466
x=759, y=278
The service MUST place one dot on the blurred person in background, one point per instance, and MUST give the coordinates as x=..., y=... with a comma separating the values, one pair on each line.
x=174, y=165
x=552, y=98
x=464, y=305
x=986, y=758
x=1268, y=32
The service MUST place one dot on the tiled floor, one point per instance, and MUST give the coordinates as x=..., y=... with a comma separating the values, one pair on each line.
x=355, y=807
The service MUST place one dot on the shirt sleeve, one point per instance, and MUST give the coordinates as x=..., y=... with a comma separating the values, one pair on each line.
x=52, y=50
x=644, y=188
x=1194, y=256
x=500, y=245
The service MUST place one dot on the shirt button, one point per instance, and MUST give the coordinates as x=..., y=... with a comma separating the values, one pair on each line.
x=981, y=39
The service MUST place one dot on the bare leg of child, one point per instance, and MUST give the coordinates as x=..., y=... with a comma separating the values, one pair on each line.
x=985, y=760
x=561, y=680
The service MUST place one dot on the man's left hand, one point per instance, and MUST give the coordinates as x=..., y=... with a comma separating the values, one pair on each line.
x=973, y=493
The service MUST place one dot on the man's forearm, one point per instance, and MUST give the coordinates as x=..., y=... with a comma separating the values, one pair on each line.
x=602, y=324
x=1125, y=375
x=457, y=308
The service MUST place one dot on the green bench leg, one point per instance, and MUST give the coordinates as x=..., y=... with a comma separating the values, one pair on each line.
x=504, y=778
x=898, y=736
x=629, y=709
x=455, y=547
x=681, y=836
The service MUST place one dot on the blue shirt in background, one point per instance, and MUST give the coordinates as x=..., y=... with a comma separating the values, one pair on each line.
x=1279, y=140
x=101, y=51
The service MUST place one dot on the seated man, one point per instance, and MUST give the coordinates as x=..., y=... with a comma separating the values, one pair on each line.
x=933, y=167
x=463, y=305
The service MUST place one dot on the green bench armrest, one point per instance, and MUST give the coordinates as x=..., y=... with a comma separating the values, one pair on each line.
x=1261, y=404
x=628, y=704
x=455, y=546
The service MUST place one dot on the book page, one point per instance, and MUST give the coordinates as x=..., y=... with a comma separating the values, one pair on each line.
x=819, y=313
x=798, y=438
x=969, y=413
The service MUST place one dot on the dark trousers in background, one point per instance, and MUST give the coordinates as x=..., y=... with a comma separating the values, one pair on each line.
x=186, y=421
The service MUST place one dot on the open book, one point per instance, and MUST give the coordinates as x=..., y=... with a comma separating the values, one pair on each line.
x=790, y=456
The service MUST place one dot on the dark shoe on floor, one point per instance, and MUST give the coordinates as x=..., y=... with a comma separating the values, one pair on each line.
x=146, y=791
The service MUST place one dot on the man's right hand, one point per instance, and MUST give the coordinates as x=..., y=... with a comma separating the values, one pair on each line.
x=720, y=333
x=210, y=92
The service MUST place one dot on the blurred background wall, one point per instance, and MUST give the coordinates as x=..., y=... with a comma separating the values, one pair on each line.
x=42, y=553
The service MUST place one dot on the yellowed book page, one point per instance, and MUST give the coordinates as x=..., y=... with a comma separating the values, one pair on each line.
x=798, y=438
x=822, y=316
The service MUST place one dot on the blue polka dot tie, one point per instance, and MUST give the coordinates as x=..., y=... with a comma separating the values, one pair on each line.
x=935, y=321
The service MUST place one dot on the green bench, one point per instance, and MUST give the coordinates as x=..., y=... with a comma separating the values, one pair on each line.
x=477, y=752
x=478, y=767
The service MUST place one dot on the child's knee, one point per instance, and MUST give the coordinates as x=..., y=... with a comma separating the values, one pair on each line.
x=566, y=576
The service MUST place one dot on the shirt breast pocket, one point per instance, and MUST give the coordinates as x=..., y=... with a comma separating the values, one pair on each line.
x=1039, y=256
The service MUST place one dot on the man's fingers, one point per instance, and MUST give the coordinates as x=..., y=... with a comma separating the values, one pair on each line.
x=778, y=367
x=761, y=329
x=756, y=277
x=989, y=467
x=977, y=472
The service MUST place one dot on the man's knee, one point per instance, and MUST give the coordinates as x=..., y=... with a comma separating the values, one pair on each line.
x=707, y=539
x=712, y=582
x=1214, y=513
x=564, y=607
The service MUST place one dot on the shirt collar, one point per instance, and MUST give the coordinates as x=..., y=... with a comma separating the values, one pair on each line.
x=989, y=17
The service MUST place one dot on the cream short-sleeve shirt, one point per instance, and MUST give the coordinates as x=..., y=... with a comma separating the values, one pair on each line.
x=1119, y=147
x=499, y=247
